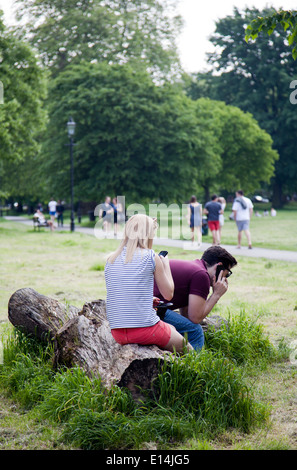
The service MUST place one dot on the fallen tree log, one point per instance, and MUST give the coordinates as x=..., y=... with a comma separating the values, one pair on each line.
x=82, y=337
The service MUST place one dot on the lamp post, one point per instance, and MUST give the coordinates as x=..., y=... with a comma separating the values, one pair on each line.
x=71, y=130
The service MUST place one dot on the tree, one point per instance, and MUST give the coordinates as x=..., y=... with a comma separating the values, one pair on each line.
x=141, y=32
x=133, y=137
x=255, y=76
x=21, y=115
x=245, y=157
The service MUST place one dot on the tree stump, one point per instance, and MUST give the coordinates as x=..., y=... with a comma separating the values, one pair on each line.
x=82, y=337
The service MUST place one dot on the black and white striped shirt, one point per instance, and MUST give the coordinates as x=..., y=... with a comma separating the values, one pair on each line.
x=129, y=300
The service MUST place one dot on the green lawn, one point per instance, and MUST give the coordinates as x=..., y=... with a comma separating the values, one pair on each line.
x=267, y=232
x=69, y=267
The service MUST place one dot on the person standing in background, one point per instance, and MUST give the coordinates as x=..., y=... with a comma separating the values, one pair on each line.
x=242, y=209
x=222, y=201
x=105, y=213
x=213, y=210
x=60, y=210
x=194, y=218
x=52, y=208
x=117, y=214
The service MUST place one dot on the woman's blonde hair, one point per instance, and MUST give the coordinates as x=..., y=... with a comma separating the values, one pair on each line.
x=138, y=233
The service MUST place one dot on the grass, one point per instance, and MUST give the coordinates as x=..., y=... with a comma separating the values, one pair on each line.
x=248, y=364
x=197, y=395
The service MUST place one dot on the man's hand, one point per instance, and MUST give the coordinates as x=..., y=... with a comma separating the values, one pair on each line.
x=220, y=286
x=199, y=308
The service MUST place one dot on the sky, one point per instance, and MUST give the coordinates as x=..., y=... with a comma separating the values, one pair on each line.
x=199, y=23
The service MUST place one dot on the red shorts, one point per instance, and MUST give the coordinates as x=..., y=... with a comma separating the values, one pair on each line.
x=213, y=225
x=158, y=334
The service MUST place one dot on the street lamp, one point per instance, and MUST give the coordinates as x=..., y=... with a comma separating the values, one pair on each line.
x=71, y=130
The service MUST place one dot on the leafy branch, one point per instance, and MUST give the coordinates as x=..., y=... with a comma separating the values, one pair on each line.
x=267, y=25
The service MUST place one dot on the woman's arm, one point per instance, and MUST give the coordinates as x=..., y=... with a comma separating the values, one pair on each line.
x=163, y=277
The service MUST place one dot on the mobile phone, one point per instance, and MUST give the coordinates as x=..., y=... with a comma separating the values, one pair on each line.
x=219, y=269
x=163, y=253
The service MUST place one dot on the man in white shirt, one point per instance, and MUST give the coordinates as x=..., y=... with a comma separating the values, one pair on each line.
x=52, y=206
x=242, y=210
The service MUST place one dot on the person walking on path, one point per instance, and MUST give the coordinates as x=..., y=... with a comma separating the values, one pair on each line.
x=194, y=217
x=213, y=209
x=242, y=210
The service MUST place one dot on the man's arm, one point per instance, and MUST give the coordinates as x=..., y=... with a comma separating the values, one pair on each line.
x=199, y=308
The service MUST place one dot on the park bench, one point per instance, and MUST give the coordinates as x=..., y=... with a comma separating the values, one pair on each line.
x=37, y=224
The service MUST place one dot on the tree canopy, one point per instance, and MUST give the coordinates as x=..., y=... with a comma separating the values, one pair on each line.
x=267, y=24
x=134, y=137
x=112, y=66
x=246, y=157
x=22, y=116
x=137, y=138
x=142, y=32
x=255, y=77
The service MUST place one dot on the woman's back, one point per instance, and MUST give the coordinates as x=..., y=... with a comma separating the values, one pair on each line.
x=129, y=300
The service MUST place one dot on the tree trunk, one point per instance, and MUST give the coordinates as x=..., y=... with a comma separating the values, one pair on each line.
x=277, y=196
x=82, y=337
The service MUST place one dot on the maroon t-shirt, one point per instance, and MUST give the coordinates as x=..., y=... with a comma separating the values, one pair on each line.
x=190, y=277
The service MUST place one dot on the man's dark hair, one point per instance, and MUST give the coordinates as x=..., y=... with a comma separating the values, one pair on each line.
x=217, y=254
x=239, y=191
x=213, y=197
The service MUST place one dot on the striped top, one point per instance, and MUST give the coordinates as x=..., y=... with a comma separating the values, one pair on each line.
x=130, y=286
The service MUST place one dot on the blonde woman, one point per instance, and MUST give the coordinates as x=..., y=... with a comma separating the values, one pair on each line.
x=129, y=275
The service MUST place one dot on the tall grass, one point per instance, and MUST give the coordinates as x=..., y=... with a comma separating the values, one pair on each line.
x=242, y=339
x=209, y=387
x=196, y=395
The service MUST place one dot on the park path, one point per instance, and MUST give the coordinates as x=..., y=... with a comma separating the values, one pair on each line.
x=280, y=255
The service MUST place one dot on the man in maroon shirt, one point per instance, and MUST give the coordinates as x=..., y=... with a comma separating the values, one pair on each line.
x=192, y=282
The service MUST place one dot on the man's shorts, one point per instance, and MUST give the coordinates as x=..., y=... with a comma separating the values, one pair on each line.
x=158, y=334
x=242, y=225
x=52, y=212
x=213, y=225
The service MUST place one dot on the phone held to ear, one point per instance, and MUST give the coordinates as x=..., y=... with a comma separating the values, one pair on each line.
x=163, y=253
x=219, y=269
